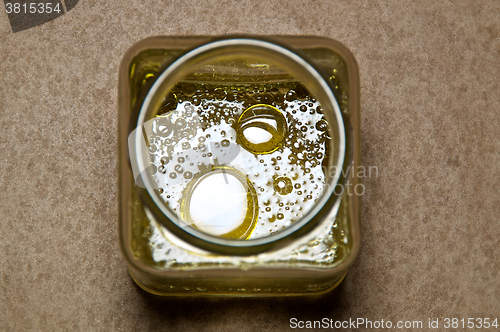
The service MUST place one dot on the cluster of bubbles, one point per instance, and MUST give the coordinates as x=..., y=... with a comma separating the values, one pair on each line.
x=274, y=134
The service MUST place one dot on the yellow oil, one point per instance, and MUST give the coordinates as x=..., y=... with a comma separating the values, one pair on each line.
x=273, y=137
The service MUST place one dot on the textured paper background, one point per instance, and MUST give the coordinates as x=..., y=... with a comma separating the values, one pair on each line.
x=430, y=113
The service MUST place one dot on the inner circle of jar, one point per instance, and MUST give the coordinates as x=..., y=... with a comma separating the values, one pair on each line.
x=265, y=131
x=240, y=149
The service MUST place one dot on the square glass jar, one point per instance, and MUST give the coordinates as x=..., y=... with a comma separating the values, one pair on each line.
x=162, y=263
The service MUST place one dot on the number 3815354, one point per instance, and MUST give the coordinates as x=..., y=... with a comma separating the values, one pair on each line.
x=32, y=8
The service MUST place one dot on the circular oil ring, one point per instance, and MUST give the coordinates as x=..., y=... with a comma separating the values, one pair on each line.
x=248, y=222
x=269, y=120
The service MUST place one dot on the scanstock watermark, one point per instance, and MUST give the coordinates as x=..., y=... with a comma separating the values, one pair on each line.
x=472, y=323
x=327, y=323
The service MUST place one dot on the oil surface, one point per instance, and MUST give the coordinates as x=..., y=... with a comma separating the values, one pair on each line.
x=272, y=138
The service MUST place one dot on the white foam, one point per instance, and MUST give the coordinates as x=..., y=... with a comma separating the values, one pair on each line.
x=257, y=135
x=218, y=204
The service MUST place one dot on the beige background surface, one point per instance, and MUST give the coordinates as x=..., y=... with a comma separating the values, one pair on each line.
x=430, y=113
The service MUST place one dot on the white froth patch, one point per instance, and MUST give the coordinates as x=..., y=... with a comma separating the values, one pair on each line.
x=257, y=135
x=218, y=204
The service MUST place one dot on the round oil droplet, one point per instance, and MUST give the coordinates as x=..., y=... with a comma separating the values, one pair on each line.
x=221, y=202
x=291, y=95
x=322, y=125
x=261, y=129
x=283, y=185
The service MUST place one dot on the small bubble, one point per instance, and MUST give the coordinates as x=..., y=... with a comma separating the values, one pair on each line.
x=180, y=123
x=280, y=216
x=188, y=175
x=180, y=160
x=220, y=94
x=172, y=175
x=291, y=95
x=164, y=160
x=283, y=185
x=162, y=169
x=196, y=101
x=322, y=125
x=303, y=108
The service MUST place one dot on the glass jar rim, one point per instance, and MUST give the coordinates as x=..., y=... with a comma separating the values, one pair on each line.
x=300, y=66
